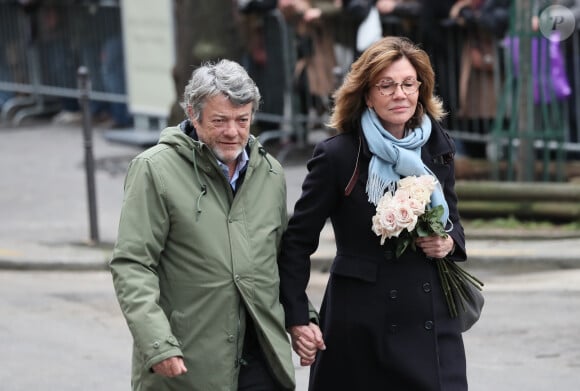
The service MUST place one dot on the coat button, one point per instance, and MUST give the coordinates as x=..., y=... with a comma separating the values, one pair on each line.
x=231, y=338
x=393, y=294
x=393, y=328
x=427, y=287
x=429, y=325
x=237, y=278
x=156, y=345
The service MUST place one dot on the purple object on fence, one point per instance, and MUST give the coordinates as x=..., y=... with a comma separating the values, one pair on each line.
x=548, y=67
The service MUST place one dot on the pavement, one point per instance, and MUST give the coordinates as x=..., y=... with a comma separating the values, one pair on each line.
x=46, y=224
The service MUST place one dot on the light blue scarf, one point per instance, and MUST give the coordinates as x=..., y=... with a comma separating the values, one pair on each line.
x=394, y=158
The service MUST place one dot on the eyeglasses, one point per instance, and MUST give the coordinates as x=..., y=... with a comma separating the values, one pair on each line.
x=388, y=88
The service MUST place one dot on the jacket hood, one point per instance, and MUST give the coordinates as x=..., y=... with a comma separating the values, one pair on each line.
x=182, y=138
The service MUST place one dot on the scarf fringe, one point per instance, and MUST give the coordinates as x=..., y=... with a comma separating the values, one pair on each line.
x=376, y=187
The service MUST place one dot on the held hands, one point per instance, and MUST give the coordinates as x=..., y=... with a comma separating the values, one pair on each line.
x=435, y=246
x=386, y=6
x=170, y=367
x=306, y=341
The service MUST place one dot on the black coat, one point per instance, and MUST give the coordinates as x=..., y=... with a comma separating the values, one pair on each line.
x=384, y=320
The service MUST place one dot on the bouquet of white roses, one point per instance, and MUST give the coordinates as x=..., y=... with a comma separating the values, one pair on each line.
x=406, y=215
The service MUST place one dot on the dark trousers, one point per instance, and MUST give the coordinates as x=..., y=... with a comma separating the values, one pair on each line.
x=255, y=375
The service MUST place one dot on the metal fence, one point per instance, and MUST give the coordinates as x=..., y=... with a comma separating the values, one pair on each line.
x=42, y=47
x=479, y=100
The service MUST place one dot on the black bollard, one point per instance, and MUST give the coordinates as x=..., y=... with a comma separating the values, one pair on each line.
x=84, y=101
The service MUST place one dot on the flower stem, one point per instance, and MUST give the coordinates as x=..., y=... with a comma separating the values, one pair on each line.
x=453, y=282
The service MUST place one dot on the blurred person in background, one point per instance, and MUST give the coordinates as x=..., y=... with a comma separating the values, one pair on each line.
x=482, y=24
x=313, y=27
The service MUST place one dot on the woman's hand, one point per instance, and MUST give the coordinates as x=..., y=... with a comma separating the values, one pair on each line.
x=435, y=246
x=386, y=6
x=306, y=341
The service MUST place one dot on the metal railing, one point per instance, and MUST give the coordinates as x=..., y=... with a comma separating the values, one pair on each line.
x=43, y=46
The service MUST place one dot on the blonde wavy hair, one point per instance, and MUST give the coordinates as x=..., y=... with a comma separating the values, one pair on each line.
x=350, y=97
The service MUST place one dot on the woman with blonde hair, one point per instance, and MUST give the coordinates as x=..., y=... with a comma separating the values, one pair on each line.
x=384, y=322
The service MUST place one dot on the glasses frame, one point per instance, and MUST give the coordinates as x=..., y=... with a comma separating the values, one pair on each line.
x=397, y=85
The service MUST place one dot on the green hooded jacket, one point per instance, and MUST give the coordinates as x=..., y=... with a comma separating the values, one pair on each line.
x=192, y=261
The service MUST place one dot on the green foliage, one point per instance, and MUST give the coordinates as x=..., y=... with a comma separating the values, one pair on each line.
x=429, y=223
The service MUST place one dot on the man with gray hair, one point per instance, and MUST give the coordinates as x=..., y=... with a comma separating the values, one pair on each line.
x=194, y=266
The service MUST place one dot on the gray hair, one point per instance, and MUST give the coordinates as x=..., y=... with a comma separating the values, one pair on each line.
x=225, y=77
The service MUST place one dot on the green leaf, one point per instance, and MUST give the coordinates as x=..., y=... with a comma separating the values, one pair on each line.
x=436, y=212
x=423, y=230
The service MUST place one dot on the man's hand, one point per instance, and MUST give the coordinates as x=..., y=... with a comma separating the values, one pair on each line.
x=385, y=6
x=170, y=367
x=306, y=341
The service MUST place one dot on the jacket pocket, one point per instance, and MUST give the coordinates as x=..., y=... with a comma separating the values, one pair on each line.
x=355, y=267
x=178, y=324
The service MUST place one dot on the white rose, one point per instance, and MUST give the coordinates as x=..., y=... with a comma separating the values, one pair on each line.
x=407, y=182
x=419, y=188
x=384, y=222
x=418, y=207
x=427, y=181
x=405, y=216
x=401, y=195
